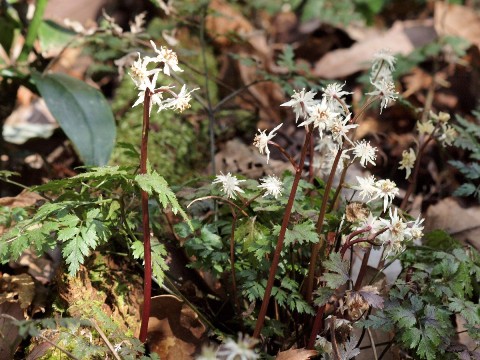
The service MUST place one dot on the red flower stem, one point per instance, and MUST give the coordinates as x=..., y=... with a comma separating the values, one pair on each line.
x=349, y=241
x=319, y=226
x=311, y=154
x=317, y=325
x=363, y=267
x=147, y=277
x=281, y=238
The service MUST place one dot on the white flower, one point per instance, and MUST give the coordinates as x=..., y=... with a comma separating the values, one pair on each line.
x=273, y=186
x=366, y=186
x=339, y=129
x=320, y=115
x=415, y=229
x=383, y=58
x=442, y=117
x=393, y=238
x=181, y=102
x=366, y=152
x=155, y=99
x=301, y=102
x=408, y=161
x=449, y=134
x=425, y=127
x=229, y=184
x=386, y=90
x=167, y=57
x=387, y=190
x=240, y=350
x=261, y=141
x=334, y=94
x=141, y=76
x=334, y=90
x=373, y=222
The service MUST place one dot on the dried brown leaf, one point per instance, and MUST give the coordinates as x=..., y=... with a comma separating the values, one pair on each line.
x=296, y=354
x=462, y=223
x=457, y=20
x=174, y=329
x=402, y=38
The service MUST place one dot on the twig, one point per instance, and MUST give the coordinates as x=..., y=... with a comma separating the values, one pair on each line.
x=105, y=339
x=336, y=352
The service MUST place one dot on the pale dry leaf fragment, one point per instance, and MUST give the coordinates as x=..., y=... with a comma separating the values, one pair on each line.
x=296, y=354
x=402, y=38
x=462, y=223
x=457, y=20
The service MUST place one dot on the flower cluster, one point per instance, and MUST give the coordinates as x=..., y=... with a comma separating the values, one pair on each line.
x=145, y=78
x=330, y=115
x=381, y=78
x=396, y=231
x=371, y=189
x=271, y=184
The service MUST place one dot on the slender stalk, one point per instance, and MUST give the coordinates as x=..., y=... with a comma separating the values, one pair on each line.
x=363, y=269
x=317, y=325
x=32, y=31
x=147, y=278
x=221, y=199
x=349, y=241
x=319, y=226
x=336, y=352
x=281, y=238
x=311, y=173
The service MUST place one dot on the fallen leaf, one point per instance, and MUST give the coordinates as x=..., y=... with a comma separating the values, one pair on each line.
x=462, y=223
x=9, y=339
x=457, y=20
x=402, y=38
x=296, y=354
x=174, y=330
x=24, y=199
x=238, y=157
x=17, y=288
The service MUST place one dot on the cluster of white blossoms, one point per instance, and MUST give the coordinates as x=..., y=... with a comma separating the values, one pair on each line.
x=437, y=126
x=408, y=161
x=271, y=184
x=397, y=231
x=327, y=115
x=381, y=78
x=371, y=189
x=145, y=76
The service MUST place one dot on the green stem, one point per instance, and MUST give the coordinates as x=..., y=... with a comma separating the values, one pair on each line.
x=147, y=255
x=281, y=238
x=32, y=31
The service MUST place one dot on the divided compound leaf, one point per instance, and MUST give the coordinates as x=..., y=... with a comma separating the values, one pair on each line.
x=154, y=184
x=336, y=271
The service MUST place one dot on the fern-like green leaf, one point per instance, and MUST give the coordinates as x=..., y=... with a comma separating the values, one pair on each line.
x=336, y=271
x=154, y=184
